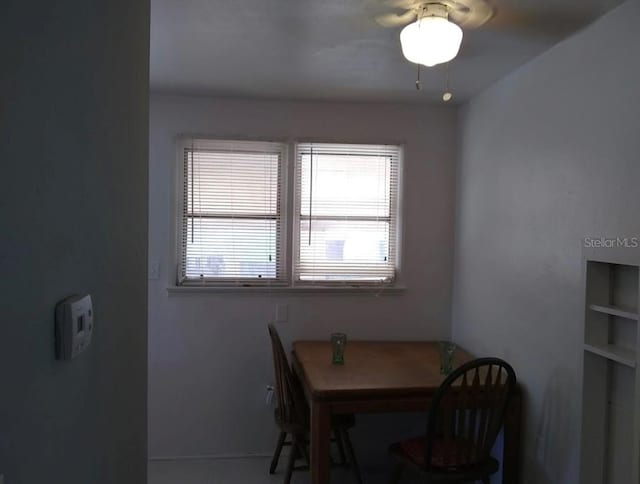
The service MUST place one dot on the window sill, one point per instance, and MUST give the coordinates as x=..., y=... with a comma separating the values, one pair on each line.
x=204, y=290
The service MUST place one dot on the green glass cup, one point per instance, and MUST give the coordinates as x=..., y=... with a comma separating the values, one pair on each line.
x=338, y=342
x=447, y=356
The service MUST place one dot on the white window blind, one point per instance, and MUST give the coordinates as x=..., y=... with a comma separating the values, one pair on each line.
x=231, y=224
x=347, y=213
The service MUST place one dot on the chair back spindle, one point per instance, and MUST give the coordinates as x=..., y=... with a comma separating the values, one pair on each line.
x=290, y=409
x=466, y=414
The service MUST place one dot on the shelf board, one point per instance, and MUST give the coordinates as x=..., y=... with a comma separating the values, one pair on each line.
x=619, y=354
x=615, y=311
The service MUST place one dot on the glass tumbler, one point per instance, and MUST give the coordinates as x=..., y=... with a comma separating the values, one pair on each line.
x=447, y=354
x=338, y=342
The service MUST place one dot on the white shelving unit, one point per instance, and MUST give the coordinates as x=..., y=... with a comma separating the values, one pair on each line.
x=615, y=353
x=610, y=452
x=614, y=311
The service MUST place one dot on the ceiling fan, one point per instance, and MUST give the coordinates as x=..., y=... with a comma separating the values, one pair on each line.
x=434, y=28
x=465, y=13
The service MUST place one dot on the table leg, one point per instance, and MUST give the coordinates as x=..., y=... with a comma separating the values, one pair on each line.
x=320, y=440
x=512, y=445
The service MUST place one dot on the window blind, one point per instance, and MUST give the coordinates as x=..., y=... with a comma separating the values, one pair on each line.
x=347, y=213
x=231, y=214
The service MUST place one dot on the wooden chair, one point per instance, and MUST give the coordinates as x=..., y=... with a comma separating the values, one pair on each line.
x=464, y=420
x=292, y=416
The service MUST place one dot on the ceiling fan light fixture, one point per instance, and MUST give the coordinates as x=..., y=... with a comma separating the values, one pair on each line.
x=431, y=40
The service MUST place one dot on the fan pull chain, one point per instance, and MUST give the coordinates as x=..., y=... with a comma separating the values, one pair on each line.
x=448, y=95
x=418, y=84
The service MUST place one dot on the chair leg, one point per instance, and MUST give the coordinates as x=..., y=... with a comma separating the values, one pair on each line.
x=339, y=443
x=351, y=454
x=397, y=474
x=305, y=453
x=276, y=454
x=292, y=458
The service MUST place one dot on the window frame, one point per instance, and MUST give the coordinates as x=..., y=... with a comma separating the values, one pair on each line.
x=395, y=222
x=282, y=266
x=289, y=234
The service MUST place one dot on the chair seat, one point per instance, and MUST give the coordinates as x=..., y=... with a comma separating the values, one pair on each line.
x=341, y=421
x=444, y=455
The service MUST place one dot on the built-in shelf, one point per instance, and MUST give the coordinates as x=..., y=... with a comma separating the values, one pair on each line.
x=615, y=353
x=615, y=311
x=610, y=433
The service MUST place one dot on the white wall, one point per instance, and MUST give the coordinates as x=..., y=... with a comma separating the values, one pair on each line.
x=209, y=358
x=73, y=206
x=549, y=155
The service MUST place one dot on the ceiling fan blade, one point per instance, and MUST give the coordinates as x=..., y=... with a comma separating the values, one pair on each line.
x=395, y=20
x=550, y=23
x=402, y=4
x=469, y=14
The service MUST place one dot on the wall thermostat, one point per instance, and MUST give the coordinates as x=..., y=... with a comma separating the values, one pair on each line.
x=74, y=326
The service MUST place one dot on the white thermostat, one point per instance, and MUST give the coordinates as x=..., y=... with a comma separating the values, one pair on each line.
x=74, y=326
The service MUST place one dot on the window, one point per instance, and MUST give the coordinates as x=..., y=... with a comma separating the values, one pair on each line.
x=235, y=227
x=231, y=219
x=346, y=213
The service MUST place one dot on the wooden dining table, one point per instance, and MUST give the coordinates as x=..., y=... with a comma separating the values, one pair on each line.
x=379, y=377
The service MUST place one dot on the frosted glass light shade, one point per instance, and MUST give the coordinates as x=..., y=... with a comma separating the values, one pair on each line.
x=431, y=41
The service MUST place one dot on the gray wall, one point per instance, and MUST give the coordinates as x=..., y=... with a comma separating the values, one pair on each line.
x=549, y=155
x=73, y=210
x=209, y=356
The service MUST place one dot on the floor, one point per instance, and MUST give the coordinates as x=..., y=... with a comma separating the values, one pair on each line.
x=253, y=470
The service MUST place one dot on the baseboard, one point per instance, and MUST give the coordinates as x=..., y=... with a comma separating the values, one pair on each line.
x=157, y=458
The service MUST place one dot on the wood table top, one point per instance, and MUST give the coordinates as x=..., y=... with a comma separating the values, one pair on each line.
x=373, y=368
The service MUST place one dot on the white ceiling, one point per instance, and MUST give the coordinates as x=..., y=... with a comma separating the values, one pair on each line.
x=334, y=49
